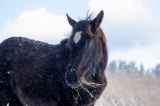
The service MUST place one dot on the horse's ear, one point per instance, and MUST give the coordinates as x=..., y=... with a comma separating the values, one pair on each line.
x=71, y=21
x=95, y=23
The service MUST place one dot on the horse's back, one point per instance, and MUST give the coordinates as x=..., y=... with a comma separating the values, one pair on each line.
x=32, y=68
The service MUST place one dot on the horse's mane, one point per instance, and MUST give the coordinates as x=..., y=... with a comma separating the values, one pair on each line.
x=101, y=34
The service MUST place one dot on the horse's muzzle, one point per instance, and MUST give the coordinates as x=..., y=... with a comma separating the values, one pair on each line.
x=71, y=78
x=75, y=85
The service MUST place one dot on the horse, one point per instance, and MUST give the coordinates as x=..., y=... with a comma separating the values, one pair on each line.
x=72, y=73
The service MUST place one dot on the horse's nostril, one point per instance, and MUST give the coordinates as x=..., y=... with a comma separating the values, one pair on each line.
x=71, y=79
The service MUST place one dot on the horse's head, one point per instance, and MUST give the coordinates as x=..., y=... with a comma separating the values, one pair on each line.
x=82, y=49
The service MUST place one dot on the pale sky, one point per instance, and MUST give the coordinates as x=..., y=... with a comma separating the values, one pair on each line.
x=132, y=27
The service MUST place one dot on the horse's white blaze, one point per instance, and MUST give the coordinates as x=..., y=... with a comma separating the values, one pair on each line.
x=77, y=36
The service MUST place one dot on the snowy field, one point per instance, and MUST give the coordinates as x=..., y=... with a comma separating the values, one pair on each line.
x=130, y=90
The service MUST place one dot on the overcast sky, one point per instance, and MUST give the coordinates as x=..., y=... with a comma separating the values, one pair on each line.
x=132, y=27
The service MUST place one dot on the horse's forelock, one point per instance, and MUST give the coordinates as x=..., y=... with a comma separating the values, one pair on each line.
x=86, y=27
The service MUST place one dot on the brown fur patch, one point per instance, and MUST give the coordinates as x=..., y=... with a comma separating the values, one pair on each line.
x=100, y=34
x=88, y=30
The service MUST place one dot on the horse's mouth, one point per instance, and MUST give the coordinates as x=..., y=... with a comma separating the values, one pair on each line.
x=75, y=85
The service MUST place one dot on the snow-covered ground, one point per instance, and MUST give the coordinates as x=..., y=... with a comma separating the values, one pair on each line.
x=130, y=90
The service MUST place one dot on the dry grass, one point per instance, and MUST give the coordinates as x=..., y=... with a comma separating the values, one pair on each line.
x=130, y=90
x=83, y=82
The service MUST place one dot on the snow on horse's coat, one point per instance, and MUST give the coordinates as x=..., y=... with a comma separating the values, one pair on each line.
x=71, y=73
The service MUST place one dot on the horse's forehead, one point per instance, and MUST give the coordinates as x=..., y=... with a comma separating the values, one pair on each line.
x=77, y=36
x=81, y=25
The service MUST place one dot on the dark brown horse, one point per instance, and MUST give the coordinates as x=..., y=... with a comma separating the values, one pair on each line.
x=34, y=73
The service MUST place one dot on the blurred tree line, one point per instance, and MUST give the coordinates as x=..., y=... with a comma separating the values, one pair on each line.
x=122, y=67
